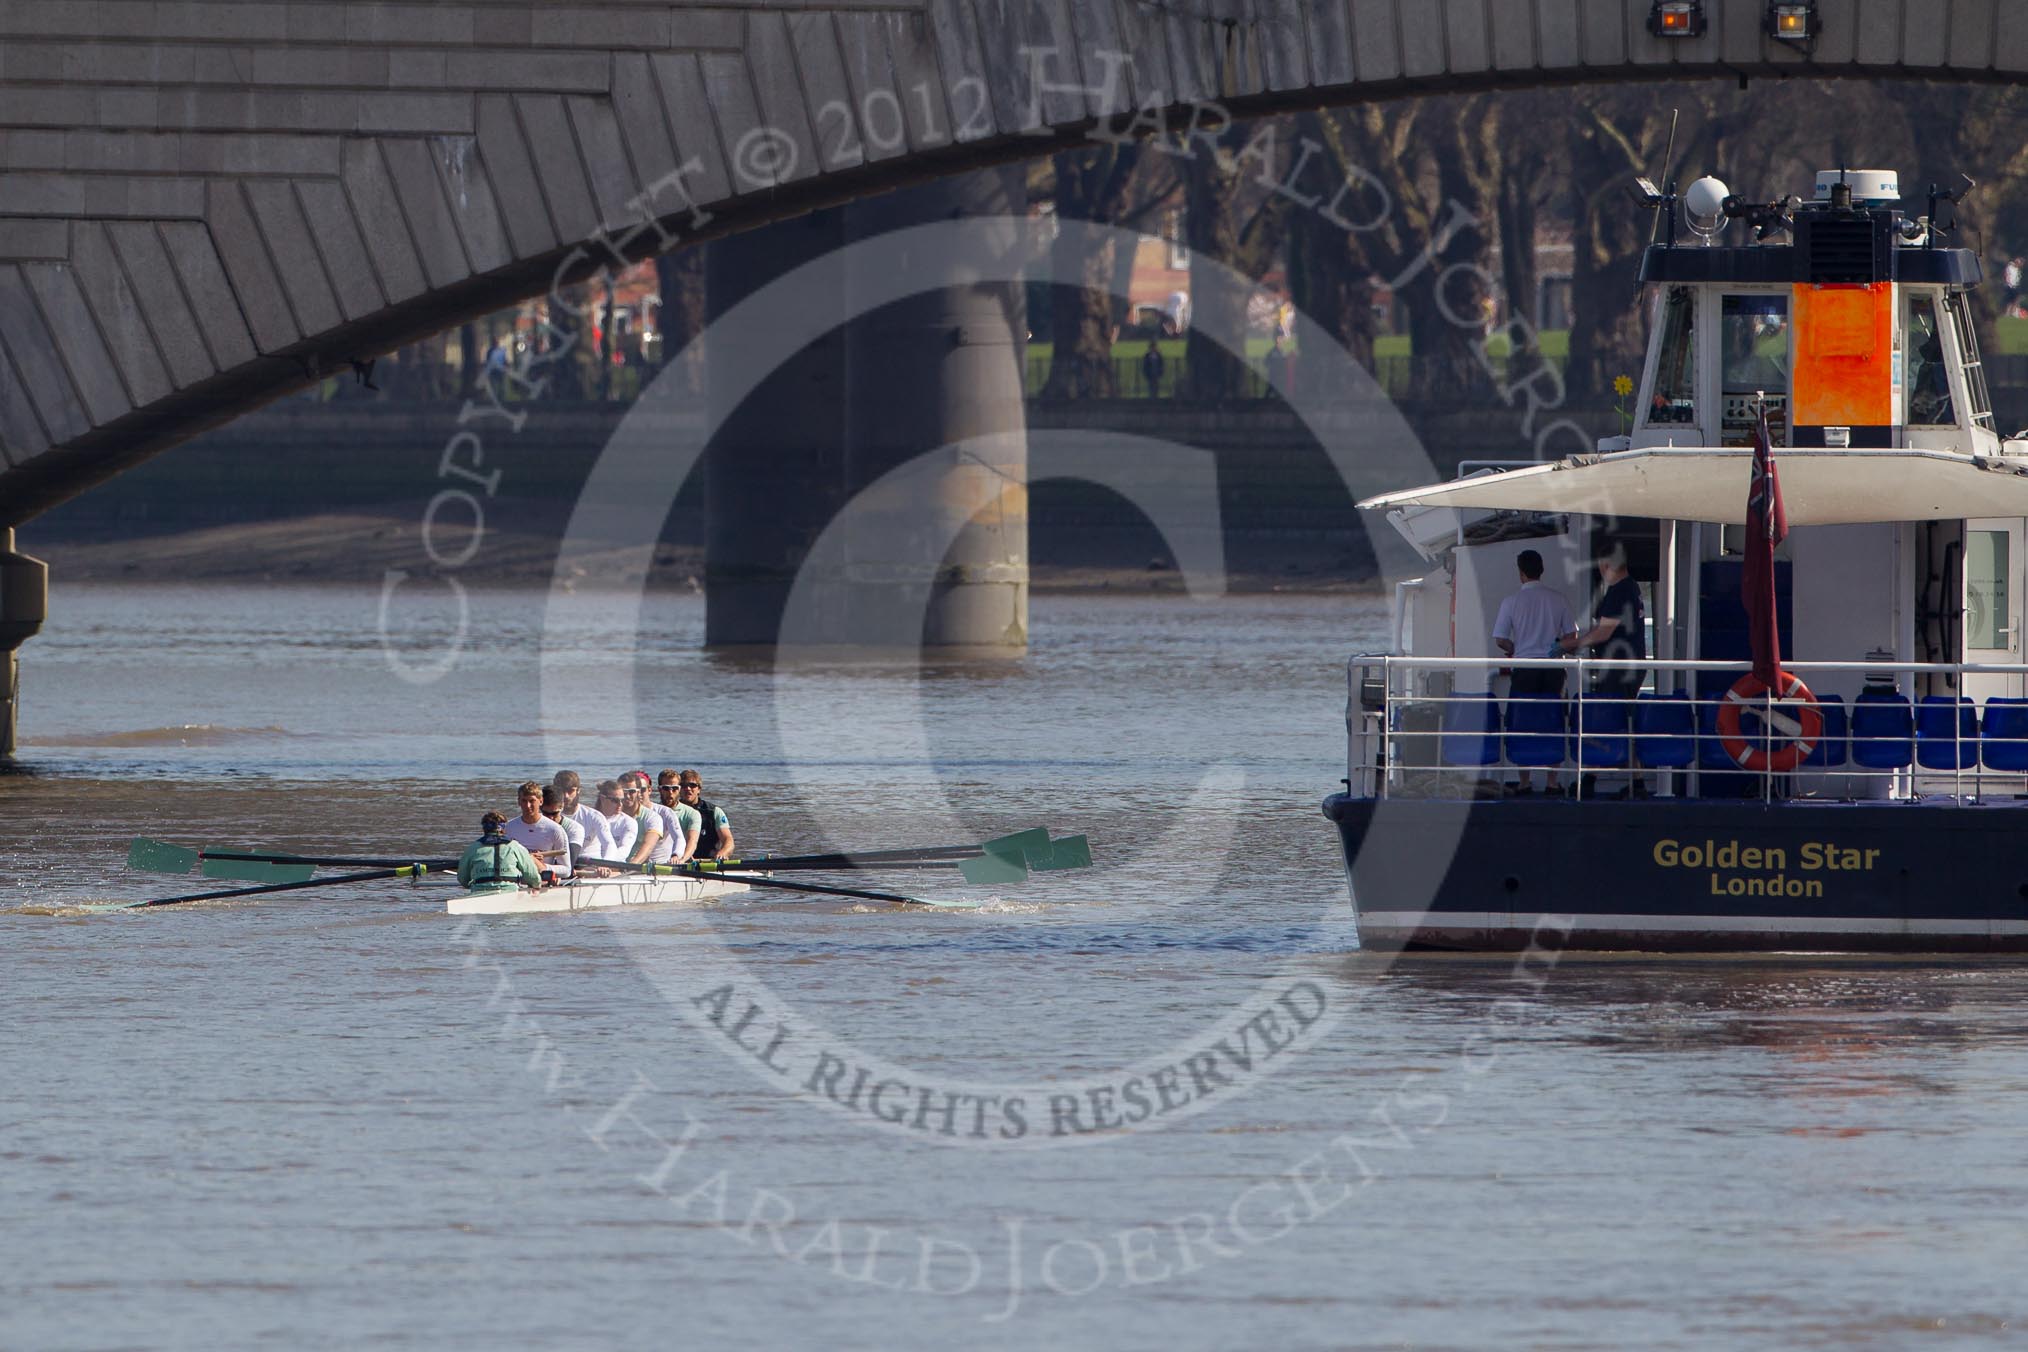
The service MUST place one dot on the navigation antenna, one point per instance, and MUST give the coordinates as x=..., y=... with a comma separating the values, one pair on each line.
x=1657, y=199
x=1937, y=195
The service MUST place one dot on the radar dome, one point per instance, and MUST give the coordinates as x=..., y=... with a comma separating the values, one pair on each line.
x=1870, y=187
x=1704, y=204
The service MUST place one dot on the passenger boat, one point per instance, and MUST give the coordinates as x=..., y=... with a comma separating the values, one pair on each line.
x=1877, y=803
x=591, y=893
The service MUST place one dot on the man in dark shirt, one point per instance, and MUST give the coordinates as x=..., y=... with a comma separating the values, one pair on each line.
x=1619, y=632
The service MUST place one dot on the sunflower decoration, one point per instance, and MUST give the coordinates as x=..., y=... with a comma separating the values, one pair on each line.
x=1623, y=385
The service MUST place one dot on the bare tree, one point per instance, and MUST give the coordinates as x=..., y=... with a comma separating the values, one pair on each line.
x=1233, y=224
x=1117, y=184
x=1612, y=135
x=1431, y=167
x=1525, y=170
x=1331, y=278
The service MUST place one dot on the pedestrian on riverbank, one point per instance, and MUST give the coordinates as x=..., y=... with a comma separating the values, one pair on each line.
x=1151, y=368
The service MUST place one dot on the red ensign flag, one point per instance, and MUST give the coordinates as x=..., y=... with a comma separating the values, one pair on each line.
x=1766, y=526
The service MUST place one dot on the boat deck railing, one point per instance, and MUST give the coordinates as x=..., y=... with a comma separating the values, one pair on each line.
x=1453, y=728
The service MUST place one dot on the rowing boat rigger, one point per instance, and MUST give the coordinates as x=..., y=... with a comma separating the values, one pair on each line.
x=592, y=893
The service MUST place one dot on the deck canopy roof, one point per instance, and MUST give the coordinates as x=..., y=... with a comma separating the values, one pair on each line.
x=1819, y=487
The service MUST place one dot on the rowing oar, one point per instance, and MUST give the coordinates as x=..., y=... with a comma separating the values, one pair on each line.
x=1066, y=853
x=1004, y=860
x=405, y=871
x=255, y=866
x=324, y=861
x=861, y=893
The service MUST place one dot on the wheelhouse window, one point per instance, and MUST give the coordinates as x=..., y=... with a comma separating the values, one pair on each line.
x=1753, y=337
x=1929, y=379
x=1755, y=331
x=1980, y=403
x=1674, y=402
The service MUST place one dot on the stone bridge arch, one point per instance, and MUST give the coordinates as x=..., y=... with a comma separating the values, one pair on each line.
x=205, y=204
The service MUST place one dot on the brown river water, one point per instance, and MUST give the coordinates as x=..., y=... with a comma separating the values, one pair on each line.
x=1164, y=1102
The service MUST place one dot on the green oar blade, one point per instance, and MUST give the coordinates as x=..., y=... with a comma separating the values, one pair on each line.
x=258, y=871
x=1021, y=845
x=155, y=856
x=1069, y=852
x=994, y=867
x=947, y=903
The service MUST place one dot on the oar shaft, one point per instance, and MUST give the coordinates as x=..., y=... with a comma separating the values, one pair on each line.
x=326, y=861
x=869, y=859
x=688, y=870
x=826, y=863
x=374, y=876
x=861, y=893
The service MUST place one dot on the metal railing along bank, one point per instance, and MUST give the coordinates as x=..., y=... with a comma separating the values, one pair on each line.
x=1452, y=728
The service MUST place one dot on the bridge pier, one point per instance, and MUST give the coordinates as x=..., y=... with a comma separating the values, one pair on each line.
x=941, y=563
x=24, y=604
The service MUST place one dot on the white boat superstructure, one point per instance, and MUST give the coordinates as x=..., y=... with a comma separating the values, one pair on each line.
x=595, y=893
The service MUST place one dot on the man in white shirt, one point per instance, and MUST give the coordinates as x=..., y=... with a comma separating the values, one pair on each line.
x=620, y=824
x=598, y=836
x=660, y=833
x=573, y=833
x=1531, y=623
x=541, y=837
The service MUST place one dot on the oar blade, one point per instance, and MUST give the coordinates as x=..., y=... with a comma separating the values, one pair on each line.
x=257, y=871
x=1069, y=852
x=946, y=903
x=157, y=856
x=1020, y=845
x=994, y=867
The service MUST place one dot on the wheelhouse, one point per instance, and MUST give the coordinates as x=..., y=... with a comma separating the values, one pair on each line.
x=1901, y=582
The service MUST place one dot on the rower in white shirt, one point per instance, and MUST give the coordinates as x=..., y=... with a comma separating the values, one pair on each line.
x=620, y=824
x=651, y=841
x=670, y=835
x=542, y=837
x=552, y=808
x=598, y=834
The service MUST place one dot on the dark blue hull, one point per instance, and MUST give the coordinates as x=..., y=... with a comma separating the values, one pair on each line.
x=1676, y=875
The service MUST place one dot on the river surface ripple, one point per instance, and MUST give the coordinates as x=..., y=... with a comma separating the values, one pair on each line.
x=340, y=1118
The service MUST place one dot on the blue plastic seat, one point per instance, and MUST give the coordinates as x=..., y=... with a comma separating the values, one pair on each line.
x=1471, y=730
x=1664, y=728
x=1939, y=745
x=1535, y=726
x=1602, y=725
x=2003, y=743
x=1711, y=752
x=1883, y=730
x=1829, y=751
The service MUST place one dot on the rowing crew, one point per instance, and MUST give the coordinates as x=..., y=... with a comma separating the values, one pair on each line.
x=555, y=831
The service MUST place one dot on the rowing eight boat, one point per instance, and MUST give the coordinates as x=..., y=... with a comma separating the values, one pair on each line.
x=588, y=893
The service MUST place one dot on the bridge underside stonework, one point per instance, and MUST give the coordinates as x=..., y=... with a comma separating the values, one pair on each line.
x=205, y=204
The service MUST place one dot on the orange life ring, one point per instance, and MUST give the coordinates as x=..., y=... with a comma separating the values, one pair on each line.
x=1745, y=693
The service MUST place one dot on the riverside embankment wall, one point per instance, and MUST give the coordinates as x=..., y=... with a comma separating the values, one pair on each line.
x=1282, y=506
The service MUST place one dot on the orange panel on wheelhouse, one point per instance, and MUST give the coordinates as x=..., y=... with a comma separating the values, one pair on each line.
x=1844, y=374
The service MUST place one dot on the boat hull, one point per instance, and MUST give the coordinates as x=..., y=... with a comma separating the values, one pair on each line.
x=1675, y=875
x=594, y=894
